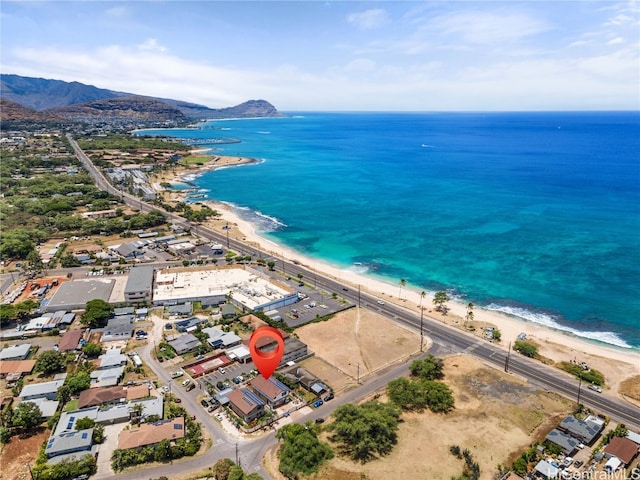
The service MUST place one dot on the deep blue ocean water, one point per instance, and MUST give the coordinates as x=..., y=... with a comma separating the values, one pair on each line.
x=533, y=214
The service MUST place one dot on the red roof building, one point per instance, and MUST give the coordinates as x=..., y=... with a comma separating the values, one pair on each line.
x=623, y=448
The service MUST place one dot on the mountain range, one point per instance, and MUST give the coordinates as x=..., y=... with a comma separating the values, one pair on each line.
x=39, y=99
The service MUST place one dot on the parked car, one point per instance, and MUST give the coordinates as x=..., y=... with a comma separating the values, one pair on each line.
x=219, y=416
x=317, y=403
x=186, y=382
x=320, y=420
x=204, y=403
x=177, y=374
x=165, y=388
x=190, y=387
x=211, y=408
x=238, y=379
x=328, y=397
x=222, y=370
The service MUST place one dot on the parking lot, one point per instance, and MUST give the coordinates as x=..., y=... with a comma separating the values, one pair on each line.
x=314, y=303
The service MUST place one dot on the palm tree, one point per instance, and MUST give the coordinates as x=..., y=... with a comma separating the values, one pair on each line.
x=439, y=299
x=403, y=282
x=469, y=316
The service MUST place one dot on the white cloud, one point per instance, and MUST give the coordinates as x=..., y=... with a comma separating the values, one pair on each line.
x=615, y=41
x=487, y=28
x=369, y=19
x=151, y=44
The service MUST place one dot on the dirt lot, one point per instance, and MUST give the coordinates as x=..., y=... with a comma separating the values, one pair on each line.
x=496, y=417
x=356, y=341
x=18, y=452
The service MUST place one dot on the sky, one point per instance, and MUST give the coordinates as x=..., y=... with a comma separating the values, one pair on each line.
x=338, y=55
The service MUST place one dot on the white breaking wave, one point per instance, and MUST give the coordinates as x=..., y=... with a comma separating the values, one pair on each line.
x=264, y=223
x=550, y=322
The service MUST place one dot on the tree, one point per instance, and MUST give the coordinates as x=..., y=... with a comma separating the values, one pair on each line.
x=420, y=394
x=96, y=313
x=92, y=350
x=84, y=423
x=50, y=362
x=301, y=451
x=525, y=348
x=5, y=435
x=78, y=382
x=271, y=264
x=439, y=300
x=26, y=415
x=469, y=316
x=430, y=368
x=221, y=468
x=364, y=431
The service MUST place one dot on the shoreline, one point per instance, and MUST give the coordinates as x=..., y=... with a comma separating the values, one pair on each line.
x=616, y=362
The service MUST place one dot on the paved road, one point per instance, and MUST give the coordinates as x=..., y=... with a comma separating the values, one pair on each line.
x=445, y=338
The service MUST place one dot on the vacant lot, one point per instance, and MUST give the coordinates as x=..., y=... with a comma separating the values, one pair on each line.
x=19, y=452
x=356, y=342
x=496, y=417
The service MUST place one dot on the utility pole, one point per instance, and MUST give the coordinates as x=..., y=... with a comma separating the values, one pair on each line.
x=237, y=456
x=358, y=377
x=579, y=388
x=359, y=304
x=506, y=362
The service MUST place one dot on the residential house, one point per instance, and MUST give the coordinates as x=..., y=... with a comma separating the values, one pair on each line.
x=181, y=310
x=584, y=430
x=16, y=367
x=71, y=341
x=546, y=470
x=152, y=433
x=48, y=390
x=101, y=396
x=70, y=442
x=15, y=352
x=623, y=448
x=246, y=404
x=118, y=328
x=221, y=339
x=112, y=358
x=567, y=443
x=272, y=391
x=185, y=343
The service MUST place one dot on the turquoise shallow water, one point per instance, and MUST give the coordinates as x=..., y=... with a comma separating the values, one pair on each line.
x=533, y=214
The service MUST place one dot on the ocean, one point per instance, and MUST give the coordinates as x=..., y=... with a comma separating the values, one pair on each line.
x=533, y=214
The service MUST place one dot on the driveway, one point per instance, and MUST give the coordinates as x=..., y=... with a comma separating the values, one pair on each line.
x=106, y=449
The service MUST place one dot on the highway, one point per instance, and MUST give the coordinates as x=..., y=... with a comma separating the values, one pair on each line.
x=446, y=339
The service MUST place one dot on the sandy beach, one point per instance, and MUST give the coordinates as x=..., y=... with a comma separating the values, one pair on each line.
x=617, y=364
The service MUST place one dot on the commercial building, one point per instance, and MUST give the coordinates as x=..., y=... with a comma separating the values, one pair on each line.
x=139, y=285
x=75, y=295
x=247, y=289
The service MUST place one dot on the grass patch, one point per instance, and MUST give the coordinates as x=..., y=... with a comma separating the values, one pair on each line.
x=590, y=376
x=631, y=387
x=71, y=405
x=195, y=160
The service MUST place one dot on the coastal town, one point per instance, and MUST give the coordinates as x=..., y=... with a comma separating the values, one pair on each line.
x=125, y=342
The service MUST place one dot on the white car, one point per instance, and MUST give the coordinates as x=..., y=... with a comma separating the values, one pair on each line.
x=222, y=370
x=186, y=382
x=595, y=388
x=219, y=416
x=165, y=388
x=380, y=302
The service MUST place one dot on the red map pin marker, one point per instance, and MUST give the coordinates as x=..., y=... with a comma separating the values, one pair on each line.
x=266, y=362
